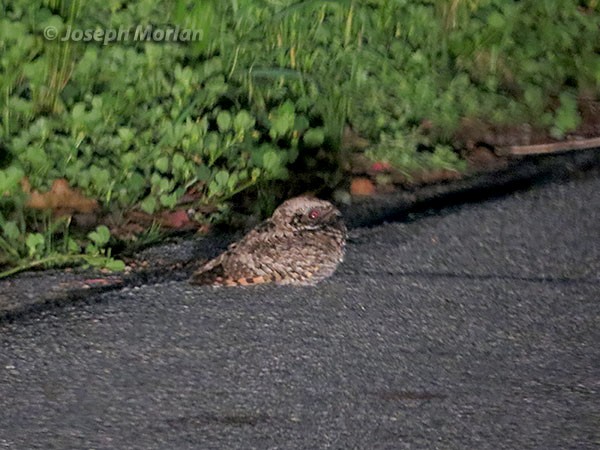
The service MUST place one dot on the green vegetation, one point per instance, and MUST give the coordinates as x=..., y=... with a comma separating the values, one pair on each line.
x=138, y=124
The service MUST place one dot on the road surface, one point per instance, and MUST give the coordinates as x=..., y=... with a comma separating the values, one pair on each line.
x=476, y=327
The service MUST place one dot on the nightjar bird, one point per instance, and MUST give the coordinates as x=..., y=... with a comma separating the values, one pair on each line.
x=301, y=244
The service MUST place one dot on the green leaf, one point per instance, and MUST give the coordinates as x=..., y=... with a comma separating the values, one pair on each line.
x=9, y=180
x=162, y=164
x=215, y=87
x=271, y=161
x=168, y=200
x=314, y=137
x=224, y=121
x=100, y=236
x=129, y=159
x=100, y=176
x=221, y=178
x=203, y=173
x=282, y=120
x=78, y=113
x=496, y=20
x=38, y=159
x=72, y=246
x=243, y=121
x=92, y=250
x=35, y=244
x=115, y=265
x=126, y=135
x=567, y=116
x=214, y=189
x=136, y=183
x=148, y=205
x=232, y=182
x=301, y=124
x=534, y=98
x=10, y=230
x=212, y=144
x=178, y=161
x=165, y=185
x=53, y=21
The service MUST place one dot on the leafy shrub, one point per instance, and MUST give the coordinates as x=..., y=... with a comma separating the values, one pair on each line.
x=140, y=123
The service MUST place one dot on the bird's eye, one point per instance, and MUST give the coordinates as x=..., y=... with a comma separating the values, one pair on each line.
x=313, y=214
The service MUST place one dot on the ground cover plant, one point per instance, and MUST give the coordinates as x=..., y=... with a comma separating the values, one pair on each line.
x=92, y=131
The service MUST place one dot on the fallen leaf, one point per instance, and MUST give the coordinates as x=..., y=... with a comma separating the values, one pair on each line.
x=380, y=166
x=176, y=219
x=61, y=199
x=362, y=186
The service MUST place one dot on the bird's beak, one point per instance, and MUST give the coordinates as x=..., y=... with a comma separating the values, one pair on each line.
x=333, y=215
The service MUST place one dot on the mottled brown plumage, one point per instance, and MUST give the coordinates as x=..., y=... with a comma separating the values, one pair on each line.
x=301, y=244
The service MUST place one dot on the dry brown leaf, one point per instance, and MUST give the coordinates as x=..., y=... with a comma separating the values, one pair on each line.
x=362, y=186
x=61, y=199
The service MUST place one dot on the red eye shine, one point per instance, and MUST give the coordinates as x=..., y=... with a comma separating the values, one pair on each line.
x=313, y=214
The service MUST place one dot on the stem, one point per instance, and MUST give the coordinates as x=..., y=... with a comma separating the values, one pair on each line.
x=7, y=113
x=348, y=28
x=8, y=248
x=54, y=260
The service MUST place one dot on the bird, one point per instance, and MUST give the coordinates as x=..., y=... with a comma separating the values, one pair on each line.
x=302, y=243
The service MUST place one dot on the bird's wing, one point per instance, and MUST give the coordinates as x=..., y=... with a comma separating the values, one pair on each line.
x=214, y=270
x=209, y=271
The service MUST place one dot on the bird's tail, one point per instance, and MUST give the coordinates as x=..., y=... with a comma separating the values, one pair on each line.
x=207, y=277
x=216, y=277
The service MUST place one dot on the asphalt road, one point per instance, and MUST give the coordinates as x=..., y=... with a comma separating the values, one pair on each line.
x=472, y=328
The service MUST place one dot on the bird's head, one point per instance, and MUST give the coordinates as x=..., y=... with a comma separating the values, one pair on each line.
x=307, y=213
